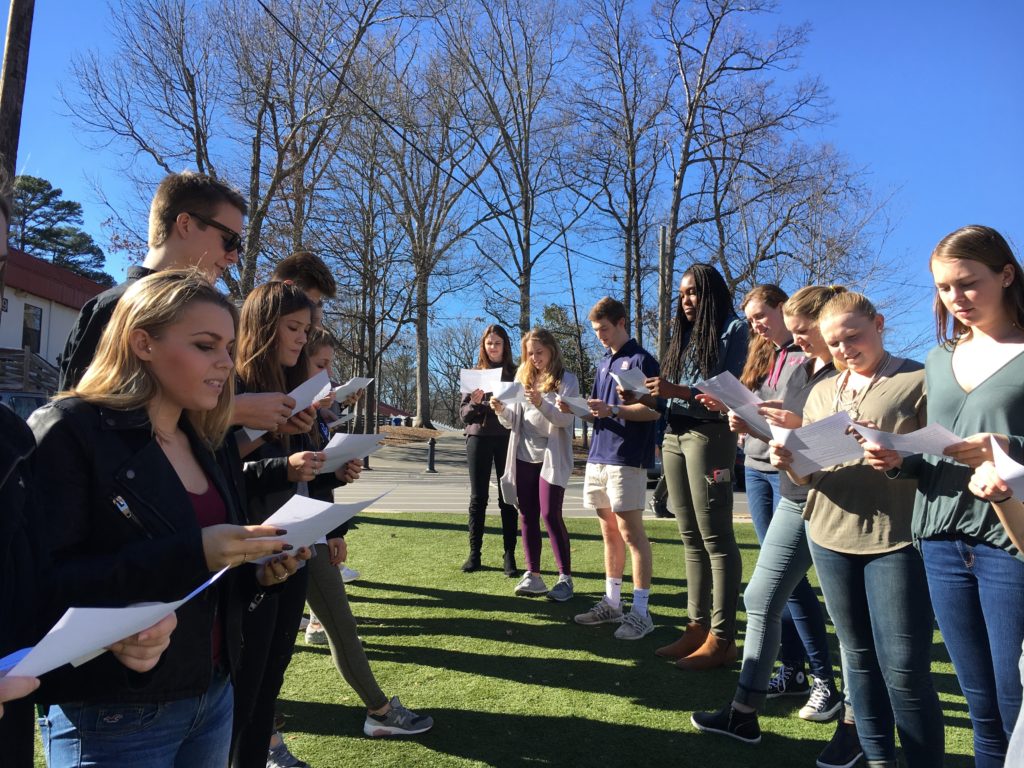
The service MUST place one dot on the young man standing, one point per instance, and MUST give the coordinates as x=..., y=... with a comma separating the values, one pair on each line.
x=616, y=480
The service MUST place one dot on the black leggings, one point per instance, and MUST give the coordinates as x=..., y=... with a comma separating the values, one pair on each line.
x=269, y=631
x=486, y=453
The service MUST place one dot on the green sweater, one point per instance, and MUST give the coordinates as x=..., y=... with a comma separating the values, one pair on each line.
x=943, y=504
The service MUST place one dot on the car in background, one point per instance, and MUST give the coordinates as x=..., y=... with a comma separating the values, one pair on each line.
x=23, y=403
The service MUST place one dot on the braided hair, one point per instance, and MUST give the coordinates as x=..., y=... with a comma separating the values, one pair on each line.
x=701, y=336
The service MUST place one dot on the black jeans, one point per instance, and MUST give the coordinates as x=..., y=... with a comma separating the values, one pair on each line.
x=485, y=453
x=269, y=632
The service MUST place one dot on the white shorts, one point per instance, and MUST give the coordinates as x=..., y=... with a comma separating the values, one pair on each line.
x=610, y=486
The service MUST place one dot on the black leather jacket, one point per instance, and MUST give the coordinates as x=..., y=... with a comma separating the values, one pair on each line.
x=122, y=530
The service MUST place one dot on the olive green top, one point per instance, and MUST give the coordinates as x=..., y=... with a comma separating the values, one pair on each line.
x=943, y=504
x=851, y=507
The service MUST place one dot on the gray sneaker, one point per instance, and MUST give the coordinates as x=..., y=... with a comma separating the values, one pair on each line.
x=562, y=591
x=602, y=613
x=531, y=584
x=281, y=757
x=634, y=626
x=399, y=721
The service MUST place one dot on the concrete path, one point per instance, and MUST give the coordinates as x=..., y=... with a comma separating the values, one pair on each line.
x=402, y=469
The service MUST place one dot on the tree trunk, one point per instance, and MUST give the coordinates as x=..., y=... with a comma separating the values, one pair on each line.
x=12, y=81
x=422, y=418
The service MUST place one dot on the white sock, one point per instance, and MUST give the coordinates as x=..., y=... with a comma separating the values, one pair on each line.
x=613, y=592
x=564, y=577
x=640, y=598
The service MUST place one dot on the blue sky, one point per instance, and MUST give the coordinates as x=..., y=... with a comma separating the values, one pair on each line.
x=928, y=95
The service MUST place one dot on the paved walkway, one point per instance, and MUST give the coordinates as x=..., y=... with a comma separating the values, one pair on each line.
x=402, y=469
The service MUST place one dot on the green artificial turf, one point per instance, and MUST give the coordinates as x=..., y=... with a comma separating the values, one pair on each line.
x=512, y=681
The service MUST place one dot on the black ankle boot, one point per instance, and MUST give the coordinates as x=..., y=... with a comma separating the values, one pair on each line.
x=472, y=563
x=510, y=564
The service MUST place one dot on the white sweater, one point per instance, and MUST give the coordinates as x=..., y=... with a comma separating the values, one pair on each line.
x=558, y=460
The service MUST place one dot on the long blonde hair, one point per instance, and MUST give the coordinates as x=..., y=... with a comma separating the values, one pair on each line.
x=551, y=379
x=117, y=378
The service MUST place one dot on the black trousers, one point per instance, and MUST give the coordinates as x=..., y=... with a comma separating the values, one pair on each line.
x=269, y=634
x=486, y=453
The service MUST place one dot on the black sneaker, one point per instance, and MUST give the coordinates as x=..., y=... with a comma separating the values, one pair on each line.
x=844, y=750
x=728, y=722
x=824, y=703
x=788, y=681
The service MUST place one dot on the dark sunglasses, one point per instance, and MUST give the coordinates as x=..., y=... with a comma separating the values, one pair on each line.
x=233, y=241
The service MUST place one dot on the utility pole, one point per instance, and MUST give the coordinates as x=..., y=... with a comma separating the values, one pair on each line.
x=12, y=81
x=665, y=293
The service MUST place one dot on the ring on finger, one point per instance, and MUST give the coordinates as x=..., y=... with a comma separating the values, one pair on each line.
x=281, y=578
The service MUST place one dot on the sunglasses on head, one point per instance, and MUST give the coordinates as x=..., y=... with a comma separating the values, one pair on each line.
x=232, y=241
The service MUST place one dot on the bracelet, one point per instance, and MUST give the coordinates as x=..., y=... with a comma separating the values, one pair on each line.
x=1001, y=501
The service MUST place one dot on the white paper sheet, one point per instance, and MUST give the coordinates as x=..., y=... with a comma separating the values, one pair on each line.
x=345, y=419
x=933, y=439
x=509, y=392
x=343, y=448
x=351, y=386
x=631, y=380
x=1009, y=471
x=307, y=393
x=578, y=405
x=82, y=634
x=307, y=520
x=472, y=379
x=820, y=445
x=742, y=401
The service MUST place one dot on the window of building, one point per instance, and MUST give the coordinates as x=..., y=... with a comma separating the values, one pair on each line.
x=32, y=330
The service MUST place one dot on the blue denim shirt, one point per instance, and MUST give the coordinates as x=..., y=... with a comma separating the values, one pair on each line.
x=732, y=354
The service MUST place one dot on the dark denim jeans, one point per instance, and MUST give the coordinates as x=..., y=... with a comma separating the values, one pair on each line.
x=879, y=605
x=803, y=627
x=1015, y=752
x=978, y=594
x=187, y=733
x=782, y=563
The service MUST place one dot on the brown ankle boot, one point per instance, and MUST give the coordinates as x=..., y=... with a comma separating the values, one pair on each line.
x=715, y=653
x=692, y=639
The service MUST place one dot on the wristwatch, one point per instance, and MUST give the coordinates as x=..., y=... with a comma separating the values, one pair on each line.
x=615, y=411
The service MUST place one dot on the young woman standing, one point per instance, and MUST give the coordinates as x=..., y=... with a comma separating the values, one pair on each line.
x=859, y=526
x=486, y=449
x=698, y=455
x=539, y=460
x=975, y=573
x=139, y=509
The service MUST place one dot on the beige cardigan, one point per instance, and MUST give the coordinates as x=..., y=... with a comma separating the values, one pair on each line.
x=557, y=465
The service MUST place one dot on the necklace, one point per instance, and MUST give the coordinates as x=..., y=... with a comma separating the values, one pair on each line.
x=853, y=409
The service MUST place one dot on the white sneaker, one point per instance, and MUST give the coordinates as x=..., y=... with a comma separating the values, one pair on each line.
x=531, y=584
x=634, y=626
x=348, y=575
x=316, y=634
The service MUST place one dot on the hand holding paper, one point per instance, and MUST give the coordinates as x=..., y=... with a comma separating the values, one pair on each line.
x=819, y=445
x=933, y=439
x=741, y=401
x=1009, y=471
x=578, y=406
x=631, y=380
x=343, y=448
x=509, y=393
x=484, y=379
x=305, y=395
x=350, y=387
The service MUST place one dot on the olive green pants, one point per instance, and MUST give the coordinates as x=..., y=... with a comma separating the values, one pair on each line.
x=702, y=504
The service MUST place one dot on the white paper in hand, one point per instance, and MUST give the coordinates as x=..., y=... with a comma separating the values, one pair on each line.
x=309, y=392
x=1009, y=471
x=741, y=401
x=351, y=386
x=484, y=379
x=345, y=419
x=509, y=392
x=82, y=634
x=307, y=520
x=343, y=448
x=820, y=445
x=578, y=405
x=933, y=439
x=631, y=380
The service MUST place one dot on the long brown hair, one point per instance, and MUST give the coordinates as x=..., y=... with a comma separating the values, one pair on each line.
x=760, y=351
x=551, y=379
x=508, y=364
x=118, y=379
x=985, y=246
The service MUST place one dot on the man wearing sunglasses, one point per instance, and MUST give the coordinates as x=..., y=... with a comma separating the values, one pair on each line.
x=195, y=221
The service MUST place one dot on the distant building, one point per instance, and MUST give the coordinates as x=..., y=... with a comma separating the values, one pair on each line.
x=41, y=303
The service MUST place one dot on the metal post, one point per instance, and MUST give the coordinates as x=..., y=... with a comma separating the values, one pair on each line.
x=431, y=445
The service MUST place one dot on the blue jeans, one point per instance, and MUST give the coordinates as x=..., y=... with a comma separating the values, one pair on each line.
x=977, y=592
x=1015, y=752
x=781, y=566
x=879, y=605
x=187, y=733
x=801, y=615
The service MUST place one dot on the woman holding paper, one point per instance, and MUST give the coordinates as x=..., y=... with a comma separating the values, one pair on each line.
x=975, y=573
x=139, y=509
x=699, y=455
x=859, y=526
x=539, y=460
x=486, y=451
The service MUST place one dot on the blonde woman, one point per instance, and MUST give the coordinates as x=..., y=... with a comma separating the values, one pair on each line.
x=539, y=460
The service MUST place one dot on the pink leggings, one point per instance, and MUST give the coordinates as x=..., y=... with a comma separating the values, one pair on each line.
x=537, y=499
